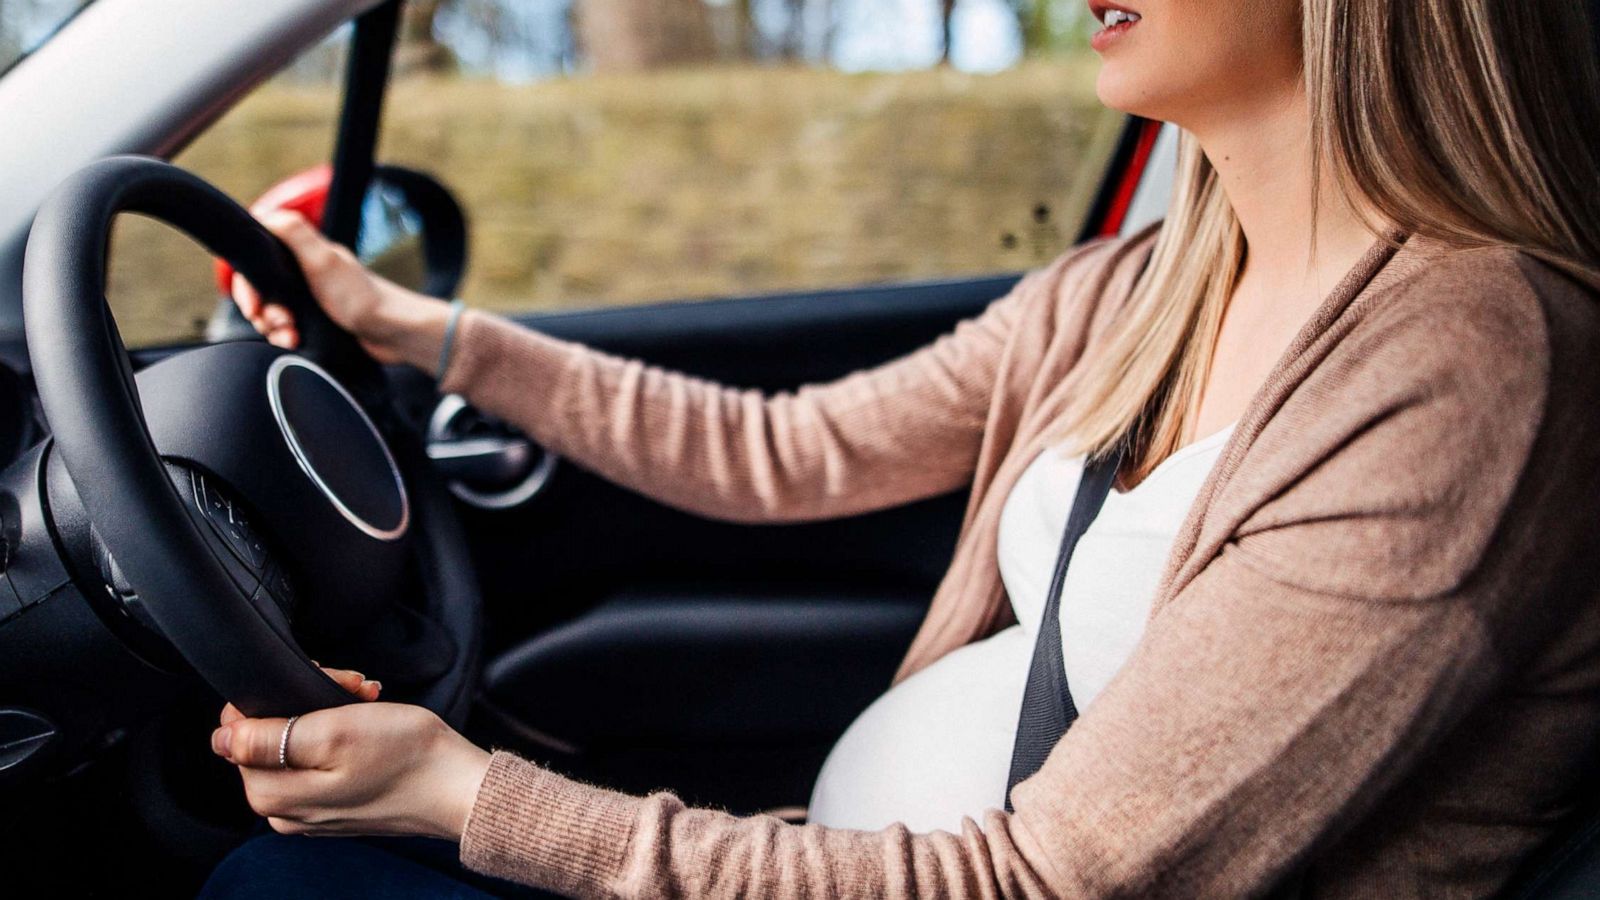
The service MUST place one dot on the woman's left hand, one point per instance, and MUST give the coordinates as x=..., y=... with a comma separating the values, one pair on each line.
x=366, y=768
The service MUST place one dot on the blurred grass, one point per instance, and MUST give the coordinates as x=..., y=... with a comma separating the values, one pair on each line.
x=722, y=181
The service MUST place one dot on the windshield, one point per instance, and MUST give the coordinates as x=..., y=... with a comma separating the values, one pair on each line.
x=25, y=25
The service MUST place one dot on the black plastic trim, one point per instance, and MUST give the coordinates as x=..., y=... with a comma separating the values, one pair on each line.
x=366, y=79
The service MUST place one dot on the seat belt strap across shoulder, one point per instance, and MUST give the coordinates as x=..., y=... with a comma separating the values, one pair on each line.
x=1047, y=706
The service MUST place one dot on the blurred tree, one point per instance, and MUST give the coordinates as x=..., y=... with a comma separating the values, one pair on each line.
x=420, y=49
x=632, y=35
x=947, y=11
x=517, y=40
x=23, y=23
x=10, y=46
x=740, y=42
x=1034, y=16
x=792, y=43
x=1053, y=26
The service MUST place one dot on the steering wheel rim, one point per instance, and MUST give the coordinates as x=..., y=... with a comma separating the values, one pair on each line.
x=87, y=387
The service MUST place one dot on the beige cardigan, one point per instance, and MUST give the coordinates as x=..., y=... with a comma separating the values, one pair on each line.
x=1372, y=662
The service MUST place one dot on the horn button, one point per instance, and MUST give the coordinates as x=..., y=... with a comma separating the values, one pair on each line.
x=338, y=448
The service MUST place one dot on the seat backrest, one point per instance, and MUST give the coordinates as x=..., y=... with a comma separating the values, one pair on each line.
x=1594, y=24
x=1568, y=868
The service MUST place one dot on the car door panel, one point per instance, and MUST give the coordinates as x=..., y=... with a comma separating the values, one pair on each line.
x=706, y=679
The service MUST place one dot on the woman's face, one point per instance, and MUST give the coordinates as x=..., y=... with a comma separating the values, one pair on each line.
x=1193, y=61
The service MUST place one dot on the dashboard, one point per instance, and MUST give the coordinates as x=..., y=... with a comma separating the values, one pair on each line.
x=76, y=671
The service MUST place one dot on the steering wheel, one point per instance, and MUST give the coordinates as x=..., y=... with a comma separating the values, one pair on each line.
x=246, y=503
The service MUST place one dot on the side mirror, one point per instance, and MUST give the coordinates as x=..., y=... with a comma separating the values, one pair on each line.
x=413, y=232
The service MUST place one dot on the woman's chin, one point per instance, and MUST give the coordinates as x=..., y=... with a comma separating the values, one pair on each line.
x=1118, y=92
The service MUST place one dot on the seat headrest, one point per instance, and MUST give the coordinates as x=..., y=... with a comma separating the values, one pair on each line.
x=1594, y=23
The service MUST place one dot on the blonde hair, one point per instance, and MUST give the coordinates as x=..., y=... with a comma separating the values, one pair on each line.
x=1469, y=121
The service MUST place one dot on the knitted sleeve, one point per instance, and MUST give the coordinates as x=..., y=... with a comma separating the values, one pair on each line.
x=817, y=452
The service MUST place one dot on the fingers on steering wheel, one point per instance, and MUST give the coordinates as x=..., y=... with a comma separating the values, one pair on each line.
x=272, y=320
x=311, y=249
x=349, y=679
x=247, y=297
x=292, y=228
x=277, y=323
x=354, y=682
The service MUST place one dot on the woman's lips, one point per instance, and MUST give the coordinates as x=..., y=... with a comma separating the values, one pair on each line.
x=1118, y=23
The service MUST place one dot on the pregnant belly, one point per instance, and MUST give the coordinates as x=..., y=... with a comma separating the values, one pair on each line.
x=935, y=748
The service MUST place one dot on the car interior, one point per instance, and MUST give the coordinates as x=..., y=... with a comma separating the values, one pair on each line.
x=529, y=602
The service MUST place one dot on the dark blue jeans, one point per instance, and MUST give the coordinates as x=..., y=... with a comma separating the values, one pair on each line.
x=331, y=868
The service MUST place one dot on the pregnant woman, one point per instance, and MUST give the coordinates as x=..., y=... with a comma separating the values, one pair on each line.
x=1335, y=625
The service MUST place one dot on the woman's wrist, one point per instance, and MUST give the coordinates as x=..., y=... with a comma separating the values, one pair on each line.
x=407, y=327
x=462, y=768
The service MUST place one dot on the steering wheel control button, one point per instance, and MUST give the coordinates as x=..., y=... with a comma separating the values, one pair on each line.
x=119, y=590
x=211, y=502
x=227, y=520
x=338, y=448
x=278, y=585
x=10, y=603
x=272, y=609
x=282, y=587
x=238, y=533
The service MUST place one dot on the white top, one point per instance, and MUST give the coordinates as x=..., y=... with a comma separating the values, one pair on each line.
x=937, y=747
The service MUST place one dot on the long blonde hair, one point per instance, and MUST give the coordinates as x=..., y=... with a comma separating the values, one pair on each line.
x=1470, y=121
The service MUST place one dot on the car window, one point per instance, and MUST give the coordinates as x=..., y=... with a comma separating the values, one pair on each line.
x=25, y=25
x=160, y=284
x=621, y=151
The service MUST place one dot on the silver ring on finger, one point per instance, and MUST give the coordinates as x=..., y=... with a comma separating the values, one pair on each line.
x=283, y=743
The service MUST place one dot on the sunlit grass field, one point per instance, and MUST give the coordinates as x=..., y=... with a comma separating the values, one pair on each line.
x=723, y=181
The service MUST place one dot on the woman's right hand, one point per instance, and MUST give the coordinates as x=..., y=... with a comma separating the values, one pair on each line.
x=392, y=324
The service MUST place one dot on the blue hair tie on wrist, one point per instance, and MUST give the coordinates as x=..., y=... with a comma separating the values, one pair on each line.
x=456, y=308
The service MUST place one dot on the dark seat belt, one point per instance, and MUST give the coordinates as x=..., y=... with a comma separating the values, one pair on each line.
x=1047, y=706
